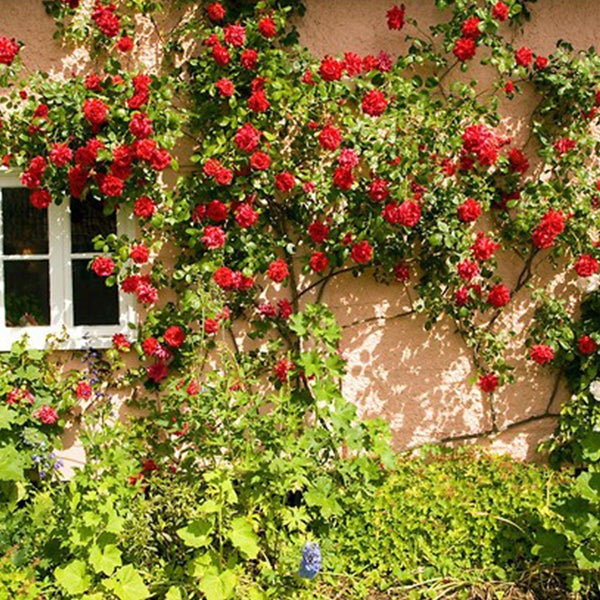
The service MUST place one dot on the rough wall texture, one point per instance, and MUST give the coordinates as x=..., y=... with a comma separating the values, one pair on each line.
x=417, y=380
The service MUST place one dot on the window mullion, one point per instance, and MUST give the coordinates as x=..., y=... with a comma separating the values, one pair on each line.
x=2, y=307
x=59, y=233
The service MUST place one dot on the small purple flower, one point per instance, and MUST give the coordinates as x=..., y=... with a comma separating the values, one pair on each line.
x=310, y=565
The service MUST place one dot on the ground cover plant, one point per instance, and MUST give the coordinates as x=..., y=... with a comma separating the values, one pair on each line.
x=245, y=473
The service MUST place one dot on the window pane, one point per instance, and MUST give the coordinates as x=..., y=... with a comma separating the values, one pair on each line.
x=25, y=228
x=93, y=302
x=87, y=221
x=26, y=293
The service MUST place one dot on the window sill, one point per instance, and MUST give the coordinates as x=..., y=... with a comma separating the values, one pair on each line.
x=52, y=338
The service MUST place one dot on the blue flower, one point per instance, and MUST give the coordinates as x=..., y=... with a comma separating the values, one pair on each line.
x=310, y=564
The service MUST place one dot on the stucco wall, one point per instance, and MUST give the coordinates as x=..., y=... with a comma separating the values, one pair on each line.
x=417, y=380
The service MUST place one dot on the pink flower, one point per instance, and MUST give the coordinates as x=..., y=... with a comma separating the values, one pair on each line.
x=47, y=415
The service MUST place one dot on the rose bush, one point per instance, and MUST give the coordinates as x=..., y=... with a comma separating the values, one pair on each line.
x=302, y=170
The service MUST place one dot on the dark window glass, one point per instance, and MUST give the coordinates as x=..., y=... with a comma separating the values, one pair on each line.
x=93, y=302
x=27, y=293
x=87, y=221
x=25, y=227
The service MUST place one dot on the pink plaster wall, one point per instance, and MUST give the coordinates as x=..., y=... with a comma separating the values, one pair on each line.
x=417, y=380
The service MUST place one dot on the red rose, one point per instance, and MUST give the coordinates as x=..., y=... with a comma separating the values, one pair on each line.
x=106, y=20
x=125, y=44
x=258, y=102
x=586, y=345
x=500, y=11
x=586, y=265
x=215, y=11
x=225, y=87
x=46, y=415
x=139, y=254
x=401, y=272
x=470, y=28
x=318, y=232
x=95, y=111
x=278, y=270
x=60, y=155
x=551, y=225
x=374, y=103
x=160, y=159
x=157, y=372
x=211, y=326
x=378, y=190
x=40, y=199
x=235, y=35
x=247, y=138
x=87, y=155
x=260, y=161
x=282, y=369
x=343, y=178
x=395, y=17
x=121, y=343
x=224, y=176
x=223, y=277
x=77, y=177
x=464, y=49
x=214, y=237
x=249, y=59
x=499, y=296
x=541, y=62
x=523, y=56
x=330, y=137
x=488, y=383
x=285, y=181
x=93, y=82
x=564, y=145
x=112, y=186
x=174, y=336
x=518, y=161
x=352, y=64
x=144, y=207
x=146, y=293
x=408, y=213
x=221, y=55
x=331, y=69
x=483, y=247
x=483, y=143
x=150, y=346
x=461, y=296
x=267, y=27
x=245, y=215
x=509, y=87
x=362, y=252
x=217, y=210
x=467, y=269
x=541, y=354
x=318, y=262
x=8, y=50
x=33, y=175
x=103, y=266
x=83, y=390
x=141, y=126
x=469, y=210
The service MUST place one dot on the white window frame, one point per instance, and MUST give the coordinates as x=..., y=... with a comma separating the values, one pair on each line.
x=61, y=287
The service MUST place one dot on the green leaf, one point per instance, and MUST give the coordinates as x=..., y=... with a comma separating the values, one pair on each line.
x=174, y=593
x=41, y=509
x=591, y=446
x=12, y=464
x=244, y=538
x=105, y=560
x=196, y=534
x=127, y=584
x=7, y=416
x=218, y=587
x=73, y=578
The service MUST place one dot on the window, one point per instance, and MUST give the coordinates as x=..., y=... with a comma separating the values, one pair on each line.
x=46, y=287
